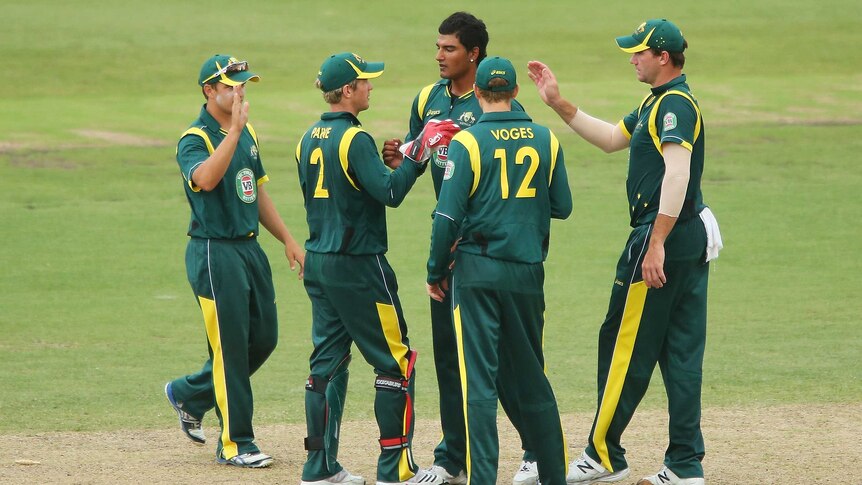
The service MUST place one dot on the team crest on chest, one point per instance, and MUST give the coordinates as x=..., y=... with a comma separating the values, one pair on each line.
x=467, y=118
x=246, y=188
x=253, y=151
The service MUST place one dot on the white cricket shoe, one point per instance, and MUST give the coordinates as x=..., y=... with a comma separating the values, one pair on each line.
x=459, y=479
x=343, y=477
x=421, y=476
x=585, y=471
x=668, y=477
x=528, y=474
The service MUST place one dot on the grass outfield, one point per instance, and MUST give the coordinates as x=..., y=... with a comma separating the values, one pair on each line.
x=95, y=310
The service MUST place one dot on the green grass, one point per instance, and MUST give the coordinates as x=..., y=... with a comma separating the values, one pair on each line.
x=95, y=311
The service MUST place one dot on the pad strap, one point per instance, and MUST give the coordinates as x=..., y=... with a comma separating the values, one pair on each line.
x=397, y=443
x=316, y=384
x=313, y=443
x=394, y=384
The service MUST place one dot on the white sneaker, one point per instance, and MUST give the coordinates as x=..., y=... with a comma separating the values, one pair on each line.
x=528, y=474
x=585, y=471
x=343, y=477
x=460, y=479
x=421, y=476
x=668, y=477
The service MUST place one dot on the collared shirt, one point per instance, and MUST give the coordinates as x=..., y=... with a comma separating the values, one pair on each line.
x=436, y=102
x=230, y=210
x=504, y=180
x=346, y=186
x=669, y=114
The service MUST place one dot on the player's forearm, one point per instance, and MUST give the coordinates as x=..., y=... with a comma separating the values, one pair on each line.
x=270, y=219
x=443, y=235
x=208, y=175
x=677, y=163
x=600, y=133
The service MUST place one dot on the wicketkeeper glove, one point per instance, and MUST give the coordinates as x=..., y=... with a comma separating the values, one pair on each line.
x=436, y=133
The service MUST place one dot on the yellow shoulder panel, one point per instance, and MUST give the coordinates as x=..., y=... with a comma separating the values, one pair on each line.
x=344, y=148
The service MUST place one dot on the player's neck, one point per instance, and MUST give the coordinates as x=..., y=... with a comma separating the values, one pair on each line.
x=220, y=116
x=462, y=85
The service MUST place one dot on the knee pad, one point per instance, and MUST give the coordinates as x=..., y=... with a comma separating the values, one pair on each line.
x=324, y=406
x=395, y=435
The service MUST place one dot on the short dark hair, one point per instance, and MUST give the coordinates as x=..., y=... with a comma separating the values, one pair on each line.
x=676, y=58
x=469, y=30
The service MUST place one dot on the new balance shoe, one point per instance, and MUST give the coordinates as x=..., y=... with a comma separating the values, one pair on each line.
x=247, y=460
x=459, y=479
x=668, y=477
x=343, y=477
x=528, y=474
x=421, y=476
x=585, y=471
x=189, y=424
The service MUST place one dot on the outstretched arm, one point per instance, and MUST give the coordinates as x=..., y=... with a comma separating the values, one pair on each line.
x=602, y=134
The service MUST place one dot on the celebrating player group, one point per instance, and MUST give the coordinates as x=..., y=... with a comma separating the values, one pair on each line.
x=499, y=179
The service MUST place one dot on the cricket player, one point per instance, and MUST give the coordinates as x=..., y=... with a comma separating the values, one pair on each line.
x=229, y=273
x=353, y=290
x=505, y=178
x=657, y=310
x=461, y=45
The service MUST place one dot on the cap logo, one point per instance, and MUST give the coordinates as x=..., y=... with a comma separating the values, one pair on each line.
x=640, y=28
x=497, y=72
x=358, y=59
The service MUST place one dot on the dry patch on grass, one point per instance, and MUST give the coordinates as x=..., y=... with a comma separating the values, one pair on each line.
x=753, y=445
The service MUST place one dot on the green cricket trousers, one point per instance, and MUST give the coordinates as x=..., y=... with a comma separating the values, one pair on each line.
x=354, y=299
x=643, y=327
x=232, y=282
x=498, y=313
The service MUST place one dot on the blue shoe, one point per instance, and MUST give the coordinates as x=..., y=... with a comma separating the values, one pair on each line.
x=189, y=424
x=247, y=460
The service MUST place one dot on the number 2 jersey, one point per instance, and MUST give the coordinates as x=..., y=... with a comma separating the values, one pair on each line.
x=346, y=187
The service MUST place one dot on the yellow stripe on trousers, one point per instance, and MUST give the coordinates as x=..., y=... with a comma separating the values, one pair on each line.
x=629, y=325
x=208, y=307
x=459, y=338
x=394, y=339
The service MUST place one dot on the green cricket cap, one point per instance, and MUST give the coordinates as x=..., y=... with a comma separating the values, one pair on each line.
x=494, y=68
x=660, y=34
x=226, y=70
x=343, y=68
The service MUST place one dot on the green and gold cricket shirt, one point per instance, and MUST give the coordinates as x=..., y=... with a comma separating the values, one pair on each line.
x=436, y=102
x=670, y=113
x=346, y=186
x=230, y=210
x=505, y=178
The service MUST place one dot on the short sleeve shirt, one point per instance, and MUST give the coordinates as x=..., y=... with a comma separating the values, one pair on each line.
x=230, y=210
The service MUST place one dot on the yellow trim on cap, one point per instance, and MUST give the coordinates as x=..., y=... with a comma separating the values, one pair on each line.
x=360, y=74
x=640, y=47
